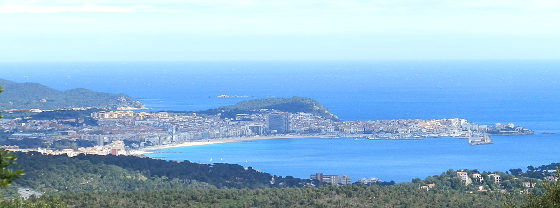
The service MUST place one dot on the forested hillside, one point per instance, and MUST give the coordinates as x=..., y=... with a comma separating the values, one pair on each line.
x=127, y=181
x=403, y=195
x=292, y=105
x=37, y=96
x=86, y=173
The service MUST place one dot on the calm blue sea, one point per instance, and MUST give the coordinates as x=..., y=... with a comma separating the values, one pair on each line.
x=524, y=92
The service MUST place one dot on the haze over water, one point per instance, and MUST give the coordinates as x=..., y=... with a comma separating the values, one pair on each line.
x=526, y=93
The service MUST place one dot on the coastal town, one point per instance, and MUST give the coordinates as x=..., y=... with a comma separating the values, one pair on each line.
x=122, y=132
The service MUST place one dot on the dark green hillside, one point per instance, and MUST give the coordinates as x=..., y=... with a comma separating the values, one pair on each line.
x=37, y=96
x=292, y=105
x=221, y=175
x=327, y=196
x=54, y=174
x=126, y=181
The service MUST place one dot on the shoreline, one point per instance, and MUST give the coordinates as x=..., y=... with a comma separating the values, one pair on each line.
x=148, y=150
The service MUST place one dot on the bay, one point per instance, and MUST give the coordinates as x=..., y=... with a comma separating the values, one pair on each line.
x=400, y=160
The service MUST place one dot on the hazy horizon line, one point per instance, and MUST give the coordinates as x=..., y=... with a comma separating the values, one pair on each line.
x=281, y=61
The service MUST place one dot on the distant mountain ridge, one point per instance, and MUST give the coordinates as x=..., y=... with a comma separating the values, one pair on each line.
x=37, y=96
x=291, y=105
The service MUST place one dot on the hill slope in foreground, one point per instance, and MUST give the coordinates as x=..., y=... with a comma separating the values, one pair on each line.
x=125, y=181
x=37, y=96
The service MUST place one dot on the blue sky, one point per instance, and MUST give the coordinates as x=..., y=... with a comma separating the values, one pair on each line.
x=261, y=30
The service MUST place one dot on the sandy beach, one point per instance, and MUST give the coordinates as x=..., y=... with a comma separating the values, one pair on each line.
x=214, y=141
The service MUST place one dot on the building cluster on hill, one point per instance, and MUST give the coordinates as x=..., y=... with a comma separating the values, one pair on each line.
x=331, y=179
x=473, y=181
x=141, y=129
x=369, y=181
x=484, y=182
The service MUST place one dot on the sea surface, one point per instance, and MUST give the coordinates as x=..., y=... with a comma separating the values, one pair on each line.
x=526, y=93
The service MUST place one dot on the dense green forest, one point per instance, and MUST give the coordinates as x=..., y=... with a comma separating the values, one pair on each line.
x=127, y=181
x=33, y=95
x=404, y=195
x=86, y=173
x=58, y=174
x=292, y=105
x=218, y=174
